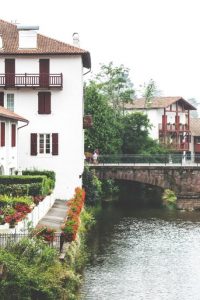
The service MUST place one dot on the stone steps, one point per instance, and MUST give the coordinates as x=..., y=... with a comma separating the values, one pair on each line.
x=55, y=216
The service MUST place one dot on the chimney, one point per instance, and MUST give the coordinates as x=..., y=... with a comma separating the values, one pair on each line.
x=27, y=36
x=76, y=41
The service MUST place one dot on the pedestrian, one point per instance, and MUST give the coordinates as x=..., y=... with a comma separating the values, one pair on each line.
x=95, y=157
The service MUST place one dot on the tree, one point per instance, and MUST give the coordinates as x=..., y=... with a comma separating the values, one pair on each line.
x=149, y=92
x=106, y=131
x=135, y=132
x=136, y=138
x=114, y=83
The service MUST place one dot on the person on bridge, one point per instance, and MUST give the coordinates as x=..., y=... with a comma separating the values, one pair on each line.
x=95, y=157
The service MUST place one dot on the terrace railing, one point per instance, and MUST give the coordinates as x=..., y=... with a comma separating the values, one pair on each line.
x=31, y=80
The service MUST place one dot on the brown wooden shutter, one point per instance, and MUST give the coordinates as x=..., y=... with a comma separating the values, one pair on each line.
x=13, y=135
x=1, y=98
x=47, y=103
x=2, y=134
x=41, y=103
x=54, y=143
x=33, y=143
x=44, y=102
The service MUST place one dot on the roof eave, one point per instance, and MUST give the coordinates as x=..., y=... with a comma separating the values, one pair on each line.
x=86, y=58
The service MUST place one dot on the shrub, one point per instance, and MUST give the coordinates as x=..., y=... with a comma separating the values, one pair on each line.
x=25, y=185
x=70, y=227
x=30, y=267
x=13, y=179
x=47, y=233
x=169, y=198
x=93, y=187
x=49, y=174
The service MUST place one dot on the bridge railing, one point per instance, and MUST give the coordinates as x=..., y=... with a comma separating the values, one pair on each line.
x=149, y=159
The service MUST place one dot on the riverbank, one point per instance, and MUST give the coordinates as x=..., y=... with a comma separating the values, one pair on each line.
x=31, y=269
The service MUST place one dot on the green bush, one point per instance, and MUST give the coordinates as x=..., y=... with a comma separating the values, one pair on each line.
x=30, y=267
x=25, y=185
x=10, y=200
x=20, y=179
x=50, y=174
x=92, y=186
x=169, y=198
x=21, y=189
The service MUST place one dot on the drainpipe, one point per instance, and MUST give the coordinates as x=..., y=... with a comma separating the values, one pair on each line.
x=87, y=72
x=27, y=122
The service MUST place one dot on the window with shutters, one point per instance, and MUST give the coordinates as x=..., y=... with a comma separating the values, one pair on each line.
x=2, y=134
x=44, y=103
x=44, y=144
x=10, y=102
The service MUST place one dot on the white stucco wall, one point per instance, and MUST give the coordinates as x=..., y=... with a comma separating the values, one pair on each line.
x=65, y=119
x=155, y=117
x=8, y=154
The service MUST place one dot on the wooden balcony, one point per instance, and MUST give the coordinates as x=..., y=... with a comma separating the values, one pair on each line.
x=46, y=81
x=176, y=147
x=173, y=127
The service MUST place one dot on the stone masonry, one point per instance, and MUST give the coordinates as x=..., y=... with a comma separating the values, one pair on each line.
x=183, y=180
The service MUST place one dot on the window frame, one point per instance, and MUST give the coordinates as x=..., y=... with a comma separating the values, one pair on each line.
x=46, y=137
x=9, y=101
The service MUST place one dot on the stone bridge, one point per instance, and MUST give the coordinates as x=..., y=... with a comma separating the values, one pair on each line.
x=183, y=180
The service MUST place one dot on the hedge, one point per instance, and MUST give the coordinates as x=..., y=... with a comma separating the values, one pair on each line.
x=50, y=174
x=32, y=189
x=25, y=185
x=13, y=179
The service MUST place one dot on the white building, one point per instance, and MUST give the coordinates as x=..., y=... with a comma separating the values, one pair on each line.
x=170, y=119
x=42, y=79
x=9, y=129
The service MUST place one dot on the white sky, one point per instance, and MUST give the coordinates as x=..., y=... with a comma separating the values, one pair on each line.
x=156, y=39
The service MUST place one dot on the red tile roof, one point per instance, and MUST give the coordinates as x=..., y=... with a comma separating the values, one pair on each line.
x=157, y=102
x=45, y=45
x=8, y=114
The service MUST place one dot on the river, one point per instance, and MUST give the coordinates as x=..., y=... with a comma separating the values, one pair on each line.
x=143, y=254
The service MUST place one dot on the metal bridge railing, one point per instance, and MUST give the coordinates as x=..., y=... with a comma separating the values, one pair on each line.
x=164, y=159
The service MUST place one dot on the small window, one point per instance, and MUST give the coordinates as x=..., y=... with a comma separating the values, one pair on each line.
x=44, y=143
x=10, y=102
x=197, y=140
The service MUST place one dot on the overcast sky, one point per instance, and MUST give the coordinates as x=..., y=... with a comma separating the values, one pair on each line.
x=156, y=39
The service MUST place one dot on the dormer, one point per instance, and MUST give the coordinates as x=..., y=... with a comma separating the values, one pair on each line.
x=27, y=36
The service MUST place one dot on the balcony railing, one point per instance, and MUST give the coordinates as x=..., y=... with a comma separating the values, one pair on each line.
x=176, y=147
x=31, y=80
x=173, y=127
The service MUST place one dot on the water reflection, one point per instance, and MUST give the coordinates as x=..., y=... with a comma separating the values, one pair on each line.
x=144, y=254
